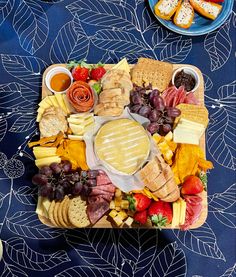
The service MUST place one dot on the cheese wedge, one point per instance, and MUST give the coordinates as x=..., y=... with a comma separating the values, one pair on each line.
x=123, y=65
x=43, y=206
x=47, y=161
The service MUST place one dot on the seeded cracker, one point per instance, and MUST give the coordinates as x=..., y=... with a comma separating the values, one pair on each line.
x=77, y=212
x=55, y=214
x=151, y=71
x=59, y=213
x=65, y=208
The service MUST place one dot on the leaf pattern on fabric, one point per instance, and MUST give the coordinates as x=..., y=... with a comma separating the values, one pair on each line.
x=25, y=68
x=3, y=128
x=230, y=272
x=69, y=44
x=13, y=271
x=5, y=9
x=26, y=195
x=218, y=46
x=221, y=140
x=31, y=25
x=19, y=252
x=85, y=271
x=28, y=225
x=201, y=241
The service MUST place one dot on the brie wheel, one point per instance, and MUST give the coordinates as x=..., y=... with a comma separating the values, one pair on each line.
x=122, y=145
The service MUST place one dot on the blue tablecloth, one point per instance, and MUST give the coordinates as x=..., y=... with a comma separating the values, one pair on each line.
x=37, y=33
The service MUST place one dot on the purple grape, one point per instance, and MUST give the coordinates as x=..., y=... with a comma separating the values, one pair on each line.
x=46, y=170
x=166, y=128
x=144, y=111
x=86, y=190
x=158, y=103
x=153, y=127
x=154, y=115
x=59, y=192
x=39, y=179
x=67, y=186
x=92, y=174
x=66, y=166
x=152, y=94
x=91, y=182
x=136, y=100
x=84, y=174
x=77, y=189
x=56, y=168
x=74, y=177
x=135, y=108
x=169, y=119
x=173, y=112
x=45, y=190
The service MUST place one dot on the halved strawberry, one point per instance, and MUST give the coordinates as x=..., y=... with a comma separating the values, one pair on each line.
x=138, y=202
x=161, y=213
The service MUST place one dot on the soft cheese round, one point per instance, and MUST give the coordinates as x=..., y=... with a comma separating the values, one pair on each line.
x=122, y=145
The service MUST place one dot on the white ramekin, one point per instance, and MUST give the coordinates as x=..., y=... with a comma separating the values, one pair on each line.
x=54, y=71
x=190, y=71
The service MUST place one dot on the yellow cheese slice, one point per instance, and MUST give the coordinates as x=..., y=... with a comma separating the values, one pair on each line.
x=176, y=214
x=122, y=145
x=44, y=155
x=81, y=115
x=43, y=152
x=40, y=210
x=69, y=107
x=54, y=101
x=81, y=121
x=183, y=207
x=61, y=103
x=44, y=149
x=45, y=103
x=47, y=161
x=123, y=65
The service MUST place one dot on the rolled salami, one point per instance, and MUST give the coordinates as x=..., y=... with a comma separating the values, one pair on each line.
x=81, y=96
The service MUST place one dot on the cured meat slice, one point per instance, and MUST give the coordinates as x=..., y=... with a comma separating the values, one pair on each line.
x=191, y=99
x=193, y=210
x=97, y=191
x=103, y=179
x=81, y=96
x=108, y=187
x=96, y=210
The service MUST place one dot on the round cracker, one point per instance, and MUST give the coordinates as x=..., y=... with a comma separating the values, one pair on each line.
x=77, y=213
x=50, y=213
x=55, y=212
x=65, y=211
x=59, y=213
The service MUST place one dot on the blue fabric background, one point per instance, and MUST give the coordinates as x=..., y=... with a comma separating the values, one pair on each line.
x=35, y=34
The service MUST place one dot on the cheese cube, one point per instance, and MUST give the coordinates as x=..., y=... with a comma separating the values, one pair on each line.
x=124, y=204
x=118, y=201
x=169, y=136
x=118, y=193
x=112, y=205
x=129, y=221
x=157, y=138
x=118, y=220
x=123, y=214
x=113, y=213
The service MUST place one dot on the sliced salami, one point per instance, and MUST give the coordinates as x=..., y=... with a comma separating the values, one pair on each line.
x=96, y=191
x=96, y=210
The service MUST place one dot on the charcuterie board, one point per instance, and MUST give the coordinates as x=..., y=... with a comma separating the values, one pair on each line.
x=105, y=221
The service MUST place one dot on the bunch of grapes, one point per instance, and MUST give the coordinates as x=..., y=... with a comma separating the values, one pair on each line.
x=147, y=102
x=58, y=179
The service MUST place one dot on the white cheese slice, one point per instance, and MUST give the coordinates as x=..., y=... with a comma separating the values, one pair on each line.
x=40, y=210
x=123, y=65
x=176, y=214
x=81, y=121
x=188, y=138
x=45, y=103
x=81, y=115
x=183, y=207
x=75, y=137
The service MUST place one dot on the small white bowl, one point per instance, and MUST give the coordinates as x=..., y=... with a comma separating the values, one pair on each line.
x=54, y=71
x=190, y=71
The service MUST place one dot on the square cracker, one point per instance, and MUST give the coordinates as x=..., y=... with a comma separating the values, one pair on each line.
x=152, y=71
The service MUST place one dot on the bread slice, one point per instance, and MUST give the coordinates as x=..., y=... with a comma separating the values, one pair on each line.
x=173, y=196
x=165, y=190
x=77, y=212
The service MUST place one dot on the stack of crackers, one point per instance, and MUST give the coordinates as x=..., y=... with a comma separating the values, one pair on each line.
x=148, y=71
x=69, y=213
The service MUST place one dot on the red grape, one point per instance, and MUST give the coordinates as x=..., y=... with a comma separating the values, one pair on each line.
x=136, y=100
x=39, y=179
x=77, y=188
x=92, y=174
x=166, y=128
x=46, y=170
x=86, y=190
x=56, y=168
x=158, y=103
x=153, y=127
x=154, y=115
x=173, y=112
x=66, y=166
x=144, y=111
x=135, y=108
x=59, y=192
x=45, y=190
x=152, y=94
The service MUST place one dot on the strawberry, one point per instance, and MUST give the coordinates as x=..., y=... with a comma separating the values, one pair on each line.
x=138, y=202
x=80, y=73
x=192, y=185
x=141, y=217
x=160, y=213
x=97, y=72
x=80, y=70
